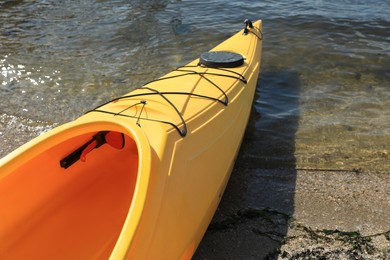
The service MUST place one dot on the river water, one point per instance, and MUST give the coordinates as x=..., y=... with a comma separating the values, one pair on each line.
x=323, y=100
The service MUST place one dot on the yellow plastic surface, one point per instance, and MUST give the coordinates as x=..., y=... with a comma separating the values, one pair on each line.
x=154, y=198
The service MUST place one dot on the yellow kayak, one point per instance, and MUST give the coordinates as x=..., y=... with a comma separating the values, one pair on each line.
x=139, y=177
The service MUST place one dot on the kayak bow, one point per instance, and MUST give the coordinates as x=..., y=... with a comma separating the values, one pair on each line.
x=138, y=177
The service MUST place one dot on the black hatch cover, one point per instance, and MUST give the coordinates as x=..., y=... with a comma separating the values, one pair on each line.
x=221, y=59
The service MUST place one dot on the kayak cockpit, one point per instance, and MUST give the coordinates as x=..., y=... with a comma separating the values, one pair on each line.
x=77, y=211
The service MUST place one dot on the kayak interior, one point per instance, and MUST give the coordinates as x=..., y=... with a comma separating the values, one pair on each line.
x=47, y=209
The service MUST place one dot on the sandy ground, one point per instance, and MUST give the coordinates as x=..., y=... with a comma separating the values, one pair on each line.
x=301, y=214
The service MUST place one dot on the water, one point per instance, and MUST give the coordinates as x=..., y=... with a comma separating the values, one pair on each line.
x=324, y=95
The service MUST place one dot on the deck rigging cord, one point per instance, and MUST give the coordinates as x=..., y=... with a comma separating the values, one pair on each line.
x=187, y=72
x=143, y=102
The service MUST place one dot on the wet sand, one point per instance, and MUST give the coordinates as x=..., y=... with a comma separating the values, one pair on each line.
x=300, y=214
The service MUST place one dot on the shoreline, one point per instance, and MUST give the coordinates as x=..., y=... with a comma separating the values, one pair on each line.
x=335, y=214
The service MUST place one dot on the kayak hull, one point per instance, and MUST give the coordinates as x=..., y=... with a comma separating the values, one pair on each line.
x=70, y=193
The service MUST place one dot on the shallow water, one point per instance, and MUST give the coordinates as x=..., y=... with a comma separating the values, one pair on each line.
x=324, y=91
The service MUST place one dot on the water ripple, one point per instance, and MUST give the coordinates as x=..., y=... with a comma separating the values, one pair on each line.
x=324, y=85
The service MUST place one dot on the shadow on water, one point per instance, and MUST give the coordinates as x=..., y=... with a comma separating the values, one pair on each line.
x=253, y=216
